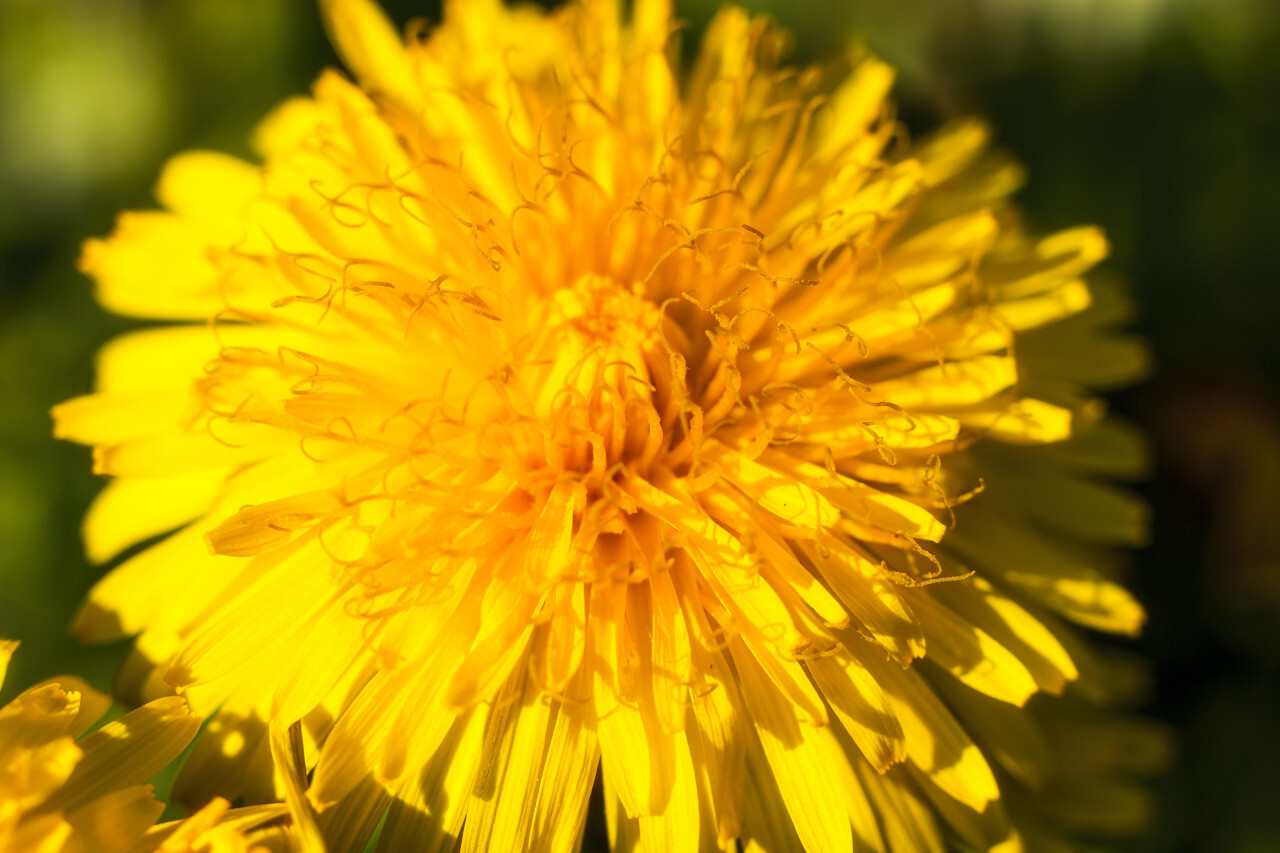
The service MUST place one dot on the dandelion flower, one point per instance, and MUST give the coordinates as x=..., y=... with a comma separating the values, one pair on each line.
x=62, y=791
x=540, y=411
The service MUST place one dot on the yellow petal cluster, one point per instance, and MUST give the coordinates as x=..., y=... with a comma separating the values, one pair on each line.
x=535, y=409
x=64, y=791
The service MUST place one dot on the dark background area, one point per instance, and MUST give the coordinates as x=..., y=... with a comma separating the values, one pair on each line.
x=1157, y=119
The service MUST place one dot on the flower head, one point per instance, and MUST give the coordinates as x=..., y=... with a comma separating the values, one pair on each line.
x=545, y=410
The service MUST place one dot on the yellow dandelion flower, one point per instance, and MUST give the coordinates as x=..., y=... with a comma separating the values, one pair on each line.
x=543, y=411
x=62, y=791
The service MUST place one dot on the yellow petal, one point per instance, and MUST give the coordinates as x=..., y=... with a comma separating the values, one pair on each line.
x=329, y=645
x=43, y=772
x=153, y=360
x=786, y=574
x=143, y=593
x=47, y=833
x=1053, y=260
x=174, y=453
x=803, y=759
x=261, y=528
x=37, y=716
x=113, y=418
x=863, y=708
x=723, y=561
x=986, y=184
x=93, y=704
x=936, y=743
x=215, y=813
x=623, y=830
x=427, y=812
x=865, y=503
x=288, y=772
x=952, y=385
x=1010, y=736
x=719, y=743
x=848, y=435
x=349, y=824
x=154, y=265
x=637, y=757
x=785, y=497
x=855, y=104
x=286, y=126
x=625, y=756
x=1072, y=351
x=951, y=148
x=986, y=830
x=799, y=590
x=790, y=679
x=500, y=811
x=222, y=757
x=1025, y=421
x=370, y=735
x=942, y=250
x=767, y=828
x=548, y=556
x=369, y=45
x=7, y=648
x=675, y=828
x=287, y=593
x=1035, y=646
x=128, y=751
x=401, y=724
x=962, y=336
x=130, y=510
x=671, y=651
x=564, y=789
x=210, y=187
x=905, y=314
x=863, y=818
x=660, y=91
x=874, y=601
x=1048, y=307
x=889, y=513
x=113, y=821
x=972, y=655
x=499, y=648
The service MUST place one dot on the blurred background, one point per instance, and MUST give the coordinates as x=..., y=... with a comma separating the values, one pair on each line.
x=1157, y=119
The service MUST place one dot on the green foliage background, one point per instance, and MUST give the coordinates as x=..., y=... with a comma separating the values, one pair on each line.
x=1158, y=119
